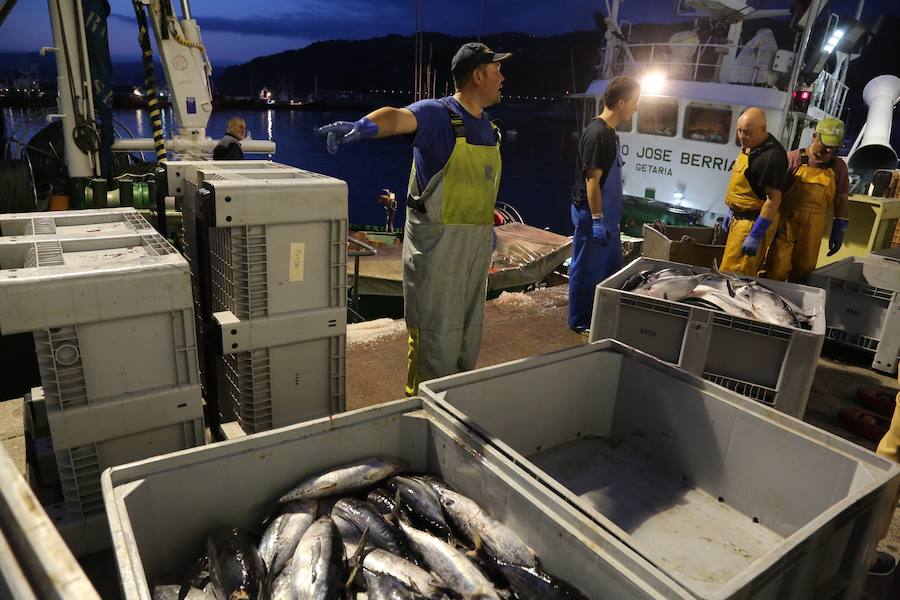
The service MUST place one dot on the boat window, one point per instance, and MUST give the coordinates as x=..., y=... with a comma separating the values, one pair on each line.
x=658, y=116
x=707, y=124
x=625, y=126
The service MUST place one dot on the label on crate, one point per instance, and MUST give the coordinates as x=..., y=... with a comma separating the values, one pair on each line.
x=298, y=258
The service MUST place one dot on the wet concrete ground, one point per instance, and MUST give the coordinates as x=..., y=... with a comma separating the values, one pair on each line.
x=517, y=326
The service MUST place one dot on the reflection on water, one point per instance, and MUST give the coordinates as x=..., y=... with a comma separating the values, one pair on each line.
x=538, y=164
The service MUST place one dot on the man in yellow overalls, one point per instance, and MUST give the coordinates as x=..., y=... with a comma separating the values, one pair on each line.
x=816, y=181
x=888, y=447
x=449, y=231
x=753, y=195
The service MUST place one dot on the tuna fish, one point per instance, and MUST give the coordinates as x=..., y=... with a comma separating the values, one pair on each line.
x=381, y=586
x=382, y=500
x=364, y=516
x=421, y=504
x=476, y=524
x=450, y=565
x=410, y=575
x=281, y=588
x=317, y=568
x=236, y=570
x=283, y=534
x=345, y=479
x=532, y=583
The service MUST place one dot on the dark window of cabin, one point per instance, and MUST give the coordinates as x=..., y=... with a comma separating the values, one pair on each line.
x=658, y=116
x=707, y=123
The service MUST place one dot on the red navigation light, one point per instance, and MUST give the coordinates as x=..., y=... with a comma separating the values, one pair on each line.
x=800, y=100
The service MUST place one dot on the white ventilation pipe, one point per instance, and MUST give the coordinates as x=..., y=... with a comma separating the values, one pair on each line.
x=872, y=149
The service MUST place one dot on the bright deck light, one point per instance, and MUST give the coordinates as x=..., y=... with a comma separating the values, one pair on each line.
x=653, y=83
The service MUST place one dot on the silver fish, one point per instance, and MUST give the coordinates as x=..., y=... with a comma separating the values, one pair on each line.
x=284, y=532
x=345, y=479
x=281, y=587
x=410, y=575
x=235, y=568
x=672, y=288
x=317, y=568
x=450, y=565
x=531, y=583
x=382, y=586
x=473, y=522
x=421, y=504
x=364, y=516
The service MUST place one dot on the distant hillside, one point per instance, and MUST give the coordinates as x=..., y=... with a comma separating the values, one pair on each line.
x=540, y=65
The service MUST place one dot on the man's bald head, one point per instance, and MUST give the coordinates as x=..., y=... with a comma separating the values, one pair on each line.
x=751, y=128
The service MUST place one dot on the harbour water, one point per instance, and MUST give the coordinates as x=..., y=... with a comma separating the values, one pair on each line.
x=537, y=158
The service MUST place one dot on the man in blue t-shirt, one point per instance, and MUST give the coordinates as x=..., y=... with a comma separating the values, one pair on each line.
x=450, y=201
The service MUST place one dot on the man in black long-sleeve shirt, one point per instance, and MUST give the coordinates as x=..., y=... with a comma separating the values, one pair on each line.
x=229, y=147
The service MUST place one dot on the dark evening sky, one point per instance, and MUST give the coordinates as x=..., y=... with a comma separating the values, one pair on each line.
x=237, y=30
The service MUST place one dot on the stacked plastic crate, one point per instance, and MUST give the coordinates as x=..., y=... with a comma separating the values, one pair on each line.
x=109, y=304
x=863, y=308
x=267, y=244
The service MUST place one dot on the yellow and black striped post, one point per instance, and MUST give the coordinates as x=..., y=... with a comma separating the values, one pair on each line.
x=159, y=143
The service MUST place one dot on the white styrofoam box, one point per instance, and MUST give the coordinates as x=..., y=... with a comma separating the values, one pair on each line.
x=863, y=306
x=160, y=510
x=34, y=560
x=726, y=496
x=769, y=363
x=104, y=221
x=267, y=247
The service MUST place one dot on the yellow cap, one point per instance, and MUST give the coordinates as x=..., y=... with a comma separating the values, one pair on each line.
x=831, y=131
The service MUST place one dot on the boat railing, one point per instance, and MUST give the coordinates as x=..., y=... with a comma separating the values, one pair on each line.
x=828, y=95
x=720, y=63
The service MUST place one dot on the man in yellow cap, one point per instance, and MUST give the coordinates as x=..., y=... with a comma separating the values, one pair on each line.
x=753, y=195
x=817, y=180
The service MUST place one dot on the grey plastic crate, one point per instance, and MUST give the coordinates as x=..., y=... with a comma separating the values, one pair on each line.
x=160, y=510
x=729, y=498
x=34, y=561
x=863, y=307
x=769, y=363
x=110, y=315
x=80, y=465
x=74, y=223
x=266, y=244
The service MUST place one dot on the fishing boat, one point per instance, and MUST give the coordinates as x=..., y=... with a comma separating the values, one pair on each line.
x=680, y=145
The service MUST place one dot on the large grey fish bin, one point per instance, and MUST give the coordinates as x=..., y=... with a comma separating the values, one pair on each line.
x=773, y=364
x=725, y=495
x=160, y=510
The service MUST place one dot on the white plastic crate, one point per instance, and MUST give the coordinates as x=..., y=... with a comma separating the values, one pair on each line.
x=863, y=307
x=726, y=496
x=267, y=247
x=160, y=510
x=106, y=221
x=34, y=561
x=769, y=363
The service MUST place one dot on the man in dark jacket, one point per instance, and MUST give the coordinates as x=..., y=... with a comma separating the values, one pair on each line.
x=229, y=147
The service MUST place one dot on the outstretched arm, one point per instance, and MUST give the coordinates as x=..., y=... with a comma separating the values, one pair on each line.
x=393, y=121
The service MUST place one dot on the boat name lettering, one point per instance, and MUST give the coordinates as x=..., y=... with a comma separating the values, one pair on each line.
x=707, y=162
x=650, y=153
x=645, y=168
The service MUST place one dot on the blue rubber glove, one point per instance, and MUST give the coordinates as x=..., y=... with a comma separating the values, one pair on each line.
x=345, y=132
x=754, y=239
x=838, y=229
x=599, y=231
x=726, y=222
